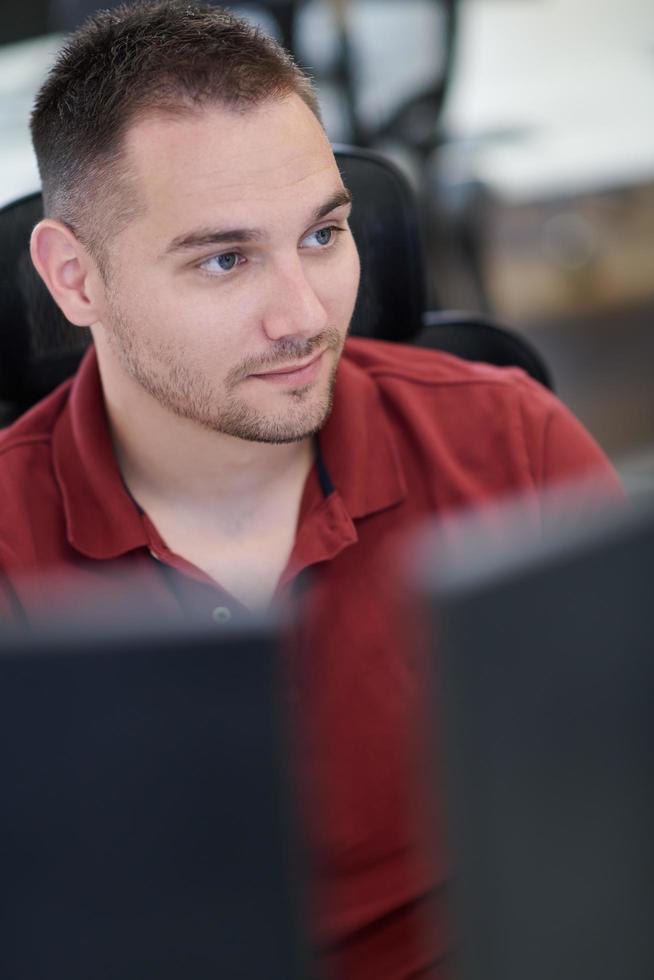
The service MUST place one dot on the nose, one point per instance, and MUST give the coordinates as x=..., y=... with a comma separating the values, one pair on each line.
x=293, y=307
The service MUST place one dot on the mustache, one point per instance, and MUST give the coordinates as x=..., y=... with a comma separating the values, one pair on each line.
x=288, y=350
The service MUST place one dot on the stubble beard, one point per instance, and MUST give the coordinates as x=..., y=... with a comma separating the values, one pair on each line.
x=166, y=377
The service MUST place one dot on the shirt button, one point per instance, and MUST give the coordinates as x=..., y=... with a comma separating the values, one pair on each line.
x=221, y=614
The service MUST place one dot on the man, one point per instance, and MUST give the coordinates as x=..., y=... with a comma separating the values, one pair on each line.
x=221, y=438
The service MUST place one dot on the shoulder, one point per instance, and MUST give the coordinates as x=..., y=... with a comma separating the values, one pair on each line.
x=431, y=376
x=425, y=366
x=28, y=487
x=480, y=412
x=32, y=432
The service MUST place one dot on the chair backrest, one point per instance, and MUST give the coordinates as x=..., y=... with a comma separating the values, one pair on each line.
x=475, y=337
x=39, y=348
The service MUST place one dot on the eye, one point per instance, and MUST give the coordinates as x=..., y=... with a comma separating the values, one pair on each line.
x=224, y=262
x=322, y=238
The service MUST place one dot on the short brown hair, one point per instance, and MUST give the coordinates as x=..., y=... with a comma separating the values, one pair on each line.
x=159, y=56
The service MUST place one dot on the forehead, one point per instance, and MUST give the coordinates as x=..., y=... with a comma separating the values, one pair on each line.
x=221, y=163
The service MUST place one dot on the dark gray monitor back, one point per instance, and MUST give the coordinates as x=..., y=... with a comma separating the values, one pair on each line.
x=545, y=666
x=144, y=825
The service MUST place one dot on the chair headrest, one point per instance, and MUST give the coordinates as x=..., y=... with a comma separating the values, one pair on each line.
x=39, y=348
x=384, y=222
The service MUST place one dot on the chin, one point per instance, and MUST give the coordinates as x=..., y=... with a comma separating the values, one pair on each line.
x=282, y=430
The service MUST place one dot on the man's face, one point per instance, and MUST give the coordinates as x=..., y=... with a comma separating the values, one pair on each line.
x=229, y=298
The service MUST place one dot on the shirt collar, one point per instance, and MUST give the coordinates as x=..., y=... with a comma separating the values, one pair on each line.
x=102, y=521
x=358, y=447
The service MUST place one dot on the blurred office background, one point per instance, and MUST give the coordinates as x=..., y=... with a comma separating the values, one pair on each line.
x=525, y=128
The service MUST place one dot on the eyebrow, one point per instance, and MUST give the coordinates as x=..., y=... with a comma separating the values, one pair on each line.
x=210, y=236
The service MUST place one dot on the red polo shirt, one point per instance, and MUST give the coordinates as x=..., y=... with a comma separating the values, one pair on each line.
x=412, y=432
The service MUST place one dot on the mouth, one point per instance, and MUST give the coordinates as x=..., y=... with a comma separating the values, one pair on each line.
x=294, y=374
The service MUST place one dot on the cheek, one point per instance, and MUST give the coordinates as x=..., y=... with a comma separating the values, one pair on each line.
x=196, y=323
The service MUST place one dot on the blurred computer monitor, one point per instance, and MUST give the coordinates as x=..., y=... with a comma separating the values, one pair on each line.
x=144, y=828
x=544, y=682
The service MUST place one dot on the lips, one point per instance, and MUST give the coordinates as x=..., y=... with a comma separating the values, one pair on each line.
x=292, y=369
x=293, y=375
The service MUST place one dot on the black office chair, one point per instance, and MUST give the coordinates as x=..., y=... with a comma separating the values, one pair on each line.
x=39, y=348
x=392, y=298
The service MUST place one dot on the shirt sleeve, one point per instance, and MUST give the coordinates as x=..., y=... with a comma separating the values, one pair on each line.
x=562, y=454
x=11, y=610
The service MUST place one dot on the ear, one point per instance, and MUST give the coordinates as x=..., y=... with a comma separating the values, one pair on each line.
x=67, y=269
